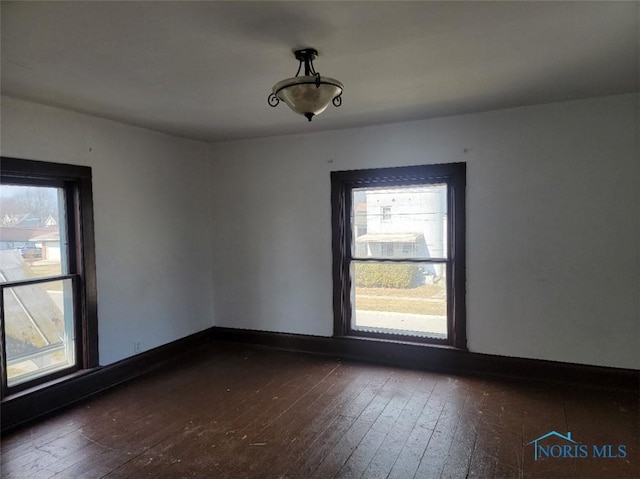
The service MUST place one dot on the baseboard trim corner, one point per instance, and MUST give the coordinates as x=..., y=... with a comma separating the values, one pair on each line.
x=28, y=405
x=439, y=359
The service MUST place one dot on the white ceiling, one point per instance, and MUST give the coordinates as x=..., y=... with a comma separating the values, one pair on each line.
x=203, y=70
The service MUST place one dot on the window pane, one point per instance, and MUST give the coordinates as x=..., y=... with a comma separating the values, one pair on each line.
x=400, y=298
x=32, y=232
x=400, y=222
x=39, y=329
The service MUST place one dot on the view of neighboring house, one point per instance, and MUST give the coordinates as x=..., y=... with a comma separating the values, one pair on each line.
x=401, y=222
x=48, y=243
x=20, y=237
x=27, y=220
x=23, y=220
x=29, y=233
x=50, y=221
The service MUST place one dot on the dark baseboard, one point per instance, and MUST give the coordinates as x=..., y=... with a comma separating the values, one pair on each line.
x=440, y=359
x=31, y=404
x=28, y=405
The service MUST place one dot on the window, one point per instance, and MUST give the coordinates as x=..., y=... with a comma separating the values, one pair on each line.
x=386, y=250
x=47, y=273
x=408, y=250
x=415, y=291
x=386, y=213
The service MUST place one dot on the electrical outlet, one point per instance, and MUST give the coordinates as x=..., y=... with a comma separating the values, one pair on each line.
x=136, y=346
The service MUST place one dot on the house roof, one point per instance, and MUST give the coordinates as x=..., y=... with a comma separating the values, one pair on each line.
x=53, y=235
x=19, y=235
x=18, y=219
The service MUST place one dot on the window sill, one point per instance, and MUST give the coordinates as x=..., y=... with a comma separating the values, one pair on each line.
x=47, y=385
x=400, y=341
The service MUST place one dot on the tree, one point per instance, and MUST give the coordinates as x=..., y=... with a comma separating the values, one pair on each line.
x=40, y=202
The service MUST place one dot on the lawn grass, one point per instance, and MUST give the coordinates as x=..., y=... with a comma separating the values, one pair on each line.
x=42, y=270
x=425, y=299
x=398, y=305
x=437, y=290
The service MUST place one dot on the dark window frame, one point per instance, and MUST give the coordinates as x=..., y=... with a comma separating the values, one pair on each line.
x=342, y=184
x=77, y=184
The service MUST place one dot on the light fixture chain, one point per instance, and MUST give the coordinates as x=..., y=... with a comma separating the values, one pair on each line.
x=312, y=70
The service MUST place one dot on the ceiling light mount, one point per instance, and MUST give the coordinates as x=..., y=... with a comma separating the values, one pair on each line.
x=310, y=94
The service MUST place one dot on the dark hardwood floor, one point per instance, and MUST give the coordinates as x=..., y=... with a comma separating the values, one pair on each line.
x=236, y=411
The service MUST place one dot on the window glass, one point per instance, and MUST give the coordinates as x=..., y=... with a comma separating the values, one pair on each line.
x=400, y=298
x=403, y=221
x=39, y=329
x=32, y=242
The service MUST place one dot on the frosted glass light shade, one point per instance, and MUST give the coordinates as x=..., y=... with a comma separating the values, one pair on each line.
x=305, y=96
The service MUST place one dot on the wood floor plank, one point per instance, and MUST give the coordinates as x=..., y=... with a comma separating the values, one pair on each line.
x=484, y=456
x=341, y=421
x=601, y=421
x=440, y=442
x=237, y=396
x=234, y=411
x=291, y=428
x=542, y=414
x=305, y=438
x=46, y=456
x=388, y=452
x=34, y=436
x=344, y=447
x=107, y=428
x=409, y=459
x=104, y=426
x=93, y=464
x=458, y=460
x=399, y=391
x=244, y=445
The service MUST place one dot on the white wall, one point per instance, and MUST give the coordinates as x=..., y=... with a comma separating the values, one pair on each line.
x=152, y=220
x=552, y=225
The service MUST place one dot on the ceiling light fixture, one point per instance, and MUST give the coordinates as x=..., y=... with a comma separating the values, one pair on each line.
x=308, y=95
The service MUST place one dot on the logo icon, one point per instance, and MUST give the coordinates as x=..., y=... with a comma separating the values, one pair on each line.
x=569, y=448
x=546, y=451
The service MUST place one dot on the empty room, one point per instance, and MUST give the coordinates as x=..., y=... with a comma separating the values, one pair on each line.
x=317, y=239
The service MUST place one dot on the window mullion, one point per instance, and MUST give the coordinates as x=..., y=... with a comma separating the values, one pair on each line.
x=3, y=348
x=401, y=260
x=27, y=282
